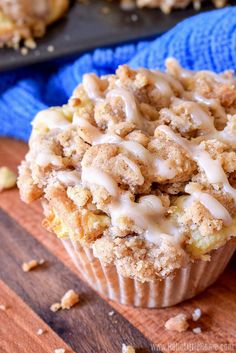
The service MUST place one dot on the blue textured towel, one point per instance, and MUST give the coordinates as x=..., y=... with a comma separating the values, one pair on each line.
x=205, y=41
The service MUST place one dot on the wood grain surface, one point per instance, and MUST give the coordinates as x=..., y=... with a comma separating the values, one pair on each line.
x=22, y=238
x=88, y=327
x=19, y=326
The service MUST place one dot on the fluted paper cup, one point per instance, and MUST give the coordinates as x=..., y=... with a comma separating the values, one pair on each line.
x=187, y=282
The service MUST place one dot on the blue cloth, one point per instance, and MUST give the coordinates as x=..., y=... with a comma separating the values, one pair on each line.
x=205, y=41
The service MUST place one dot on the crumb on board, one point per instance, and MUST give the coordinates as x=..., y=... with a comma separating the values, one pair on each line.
x=40, y=331
x=7, y=178
x=111, y=313
x=28, y=266
x=127, y=349
x=69, y=299
x=59, y=350
x=3, y=307
x=30, y=43
x=24, y=51
x=55, y=307
x=197, y=330
x=196, y=314
x=50, y=48
x=177, y=323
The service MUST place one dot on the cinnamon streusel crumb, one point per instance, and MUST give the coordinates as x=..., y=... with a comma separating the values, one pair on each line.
x=28, y=266
x=127, y=349
x=197, y=330
x=196, y=314
x=7, y=178
x=55, y=307
x=69, y=299
x=177, y=323
x=40, y=332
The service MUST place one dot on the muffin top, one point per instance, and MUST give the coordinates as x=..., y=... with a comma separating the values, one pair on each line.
x=140, y=166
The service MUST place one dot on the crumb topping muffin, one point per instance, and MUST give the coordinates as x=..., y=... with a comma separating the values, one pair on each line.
x=167, y=5
x=25, y=19
x=139, y=166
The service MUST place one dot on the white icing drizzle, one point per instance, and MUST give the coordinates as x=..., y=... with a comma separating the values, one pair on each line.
x=133, y=166
x=206, y=122
x=46, y=158
x=174, y=67
x=212, y=168
x=216, y=209
x=91, y=87
x=138, y=150
x=162, y=167
x=199, y=115
x=69, y=178
x=163, y=82
x=211, y=103
x=96, y=176
x=131, y=110
x=146, y=214
x=94, y=133
x=51, y=119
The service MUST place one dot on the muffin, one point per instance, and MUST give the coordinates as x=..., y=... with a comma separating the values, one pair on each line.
x=137, y=178
x=167, y=5
x=26, y=19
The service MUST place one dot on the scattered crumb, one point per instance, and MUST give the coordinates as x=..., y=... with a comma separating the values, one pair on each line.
x=177, y=323
x=24, y=51
x=30, y=43
x=197, y=330
x=28, y=266
x=127, y=349
x=60, y=350
x=7, y=178
x=40, y=331
x=55, y=307
x=3, y=307
x=50, y=48
x=196, y=314
x=69, y=299
x=111, y=313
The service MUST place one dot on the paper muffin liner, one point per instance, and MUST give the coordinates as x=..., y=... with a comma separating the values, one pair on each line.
x=187, y=282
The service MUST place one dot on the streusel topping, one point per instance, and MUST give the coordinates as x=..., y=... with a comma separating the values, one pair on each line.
x=140, y=166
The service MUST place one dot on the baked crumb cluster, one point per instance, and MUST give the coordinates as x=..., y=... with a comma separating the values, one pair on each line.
x=26, y=19
x=69, y=299
x=140, y=166
x=167, y=5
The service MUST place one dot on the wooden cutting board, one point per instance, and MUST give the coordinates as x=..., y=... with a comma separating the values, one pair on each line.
x=88, y=327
